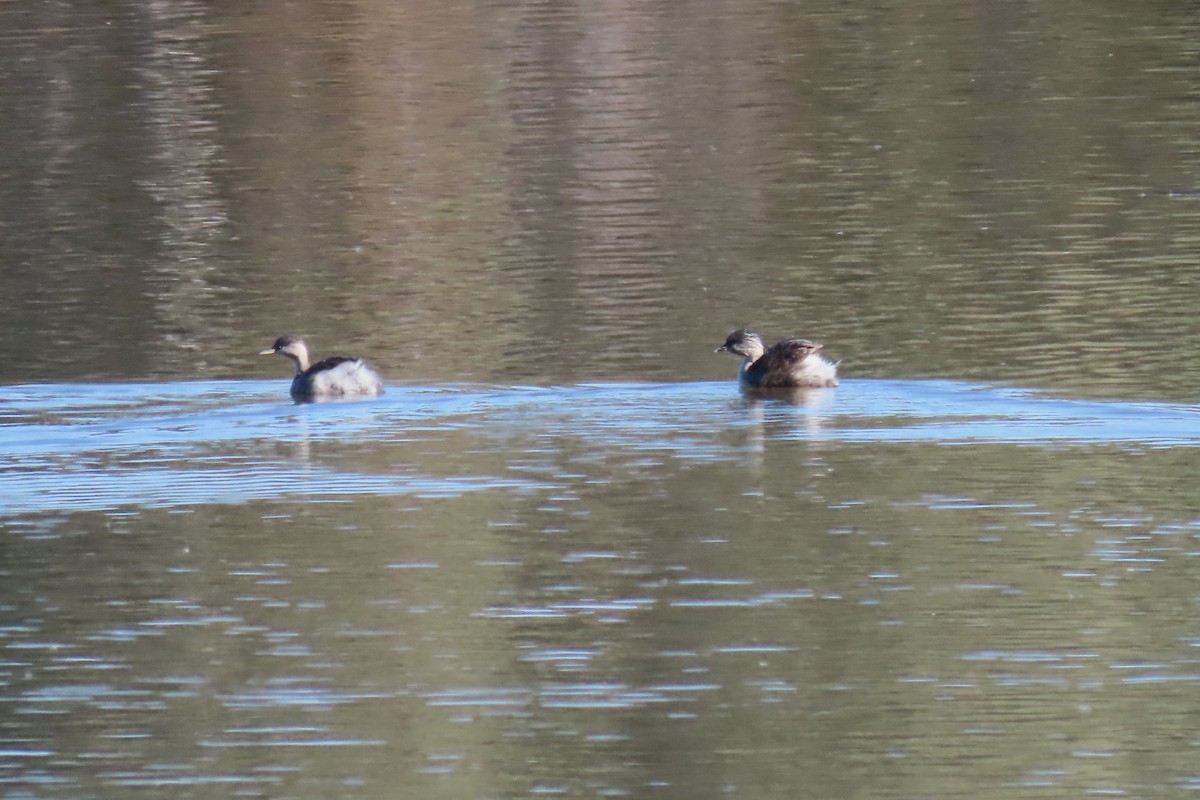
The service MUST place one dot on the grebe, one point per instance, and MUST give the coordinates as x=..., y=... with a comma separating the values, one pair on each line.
x=789, y=363
x=333, y=377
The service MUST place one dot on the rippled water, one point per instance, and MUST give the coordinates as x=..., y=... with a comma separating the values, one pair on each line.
x=594, y=589
x=563, y=555
x=162, y=445
x=519, y=192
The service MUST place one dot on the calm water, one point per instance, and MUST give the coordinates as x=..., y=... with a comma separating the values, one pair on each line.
x=563, y=555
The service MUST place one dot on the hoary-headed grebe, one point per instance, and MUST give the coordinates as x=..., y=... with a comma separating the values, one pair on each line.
x=789, y=363
x=330, y=378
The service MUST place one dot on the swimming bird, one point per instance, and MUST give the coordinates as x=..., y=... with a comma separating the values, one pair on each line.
x=789, y=363
x=333, y=377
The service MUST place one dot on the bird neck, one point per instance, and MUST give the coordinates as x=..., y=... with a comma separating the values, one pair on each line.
x=746, y=363
x=752, y=349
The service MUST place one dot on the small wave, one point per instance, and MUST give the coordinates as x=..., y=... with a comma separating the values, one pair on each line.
x=86, y=447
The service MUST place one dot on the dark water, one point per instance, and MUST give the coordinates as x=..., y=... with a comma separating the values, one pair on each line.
x=553, y=193
x=563, y=555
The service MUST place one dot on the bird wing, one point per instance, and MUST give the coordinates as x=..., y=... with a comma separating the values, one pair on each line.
x=330, y=363
x=775, y=367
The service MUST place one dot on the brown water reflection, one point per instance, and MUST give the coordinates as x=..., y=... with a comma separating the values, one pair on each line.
x=568, y=193
x=650, y=623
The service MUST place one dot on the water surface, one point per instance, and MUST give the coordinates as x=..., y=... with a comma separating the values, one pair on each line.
x=563, y=555
x=631, y=587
